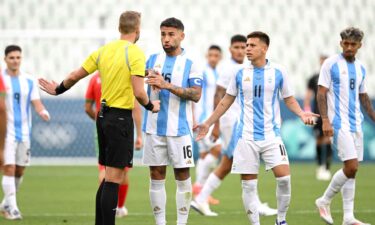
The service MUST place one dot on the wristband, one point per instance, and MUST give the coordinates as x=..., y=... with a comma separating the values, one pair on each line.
x=61, y=88
x=45, y=112
x=149, y=106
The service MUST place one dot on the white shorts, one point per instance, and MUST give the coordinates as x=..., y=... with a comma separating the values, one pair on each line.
x=166, y=150
x=247, y=154
x=229, y=138
x=17, y=153
x=349, y=145
x=206, y=144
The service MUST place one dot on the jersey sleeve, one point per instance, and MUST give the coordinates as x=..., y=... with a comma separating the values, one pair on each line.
x=91, y=62
x=325, y=75
x=90, y=90
x=233, y=84
x=195, y=75
x=286, y=86
x=224, y=77
x=136, y=60
x=362, y=86
x=35, y=91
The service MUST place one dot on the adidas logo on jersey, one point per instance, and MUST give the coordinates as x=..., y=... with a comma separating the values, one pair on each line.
x=247, y=79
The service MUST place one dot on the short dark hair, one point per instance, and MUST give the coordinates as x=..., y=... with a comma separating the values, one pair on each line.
x=238, y=38
x=172, y=22
x=261, y=35
x=215, y=47
x=352, y=33
x=12, y=48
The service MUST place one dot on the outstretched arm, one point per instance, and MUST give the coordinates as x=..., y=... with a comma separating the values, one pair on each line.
x=367, y=105
x=68, y=82
x=223, y=106
x=306, y=117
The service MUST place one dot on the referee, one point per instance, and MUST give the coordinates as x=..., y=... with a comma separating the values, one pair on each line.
x=122, y=68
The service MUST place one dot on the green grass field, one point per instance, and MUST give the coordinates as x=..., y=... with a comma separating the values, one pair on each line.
x=65, y=195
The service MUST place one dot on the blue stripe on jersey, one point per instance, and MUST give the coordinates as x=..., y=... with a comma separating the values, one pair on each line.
x=162, y=121
x=183, y=125
x=151, y=61
x=352, y=96
x=203, y=98
x=278, y=86
x=149, y=65
x=17, y=107
x=242, y=102
x=30, y=84
x=335, y=77
x=258, y=103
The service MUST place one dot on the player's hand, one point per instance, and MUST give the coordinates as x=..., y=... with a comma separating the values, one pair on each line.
x=202, y=130
x=47, y=86
x=156, y=81
x=138, y=143
x=156, y=104
x=215, y=132
x=44, y=114
x=327, y=128
x=308, y=118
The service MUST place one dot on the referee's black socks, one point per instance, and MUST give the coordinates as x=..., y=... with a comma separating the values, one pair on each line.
x=98, y=207
x=109, y=202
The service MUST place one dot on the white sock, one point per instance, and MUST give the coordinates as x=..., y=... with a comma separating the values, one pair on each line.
x=249, y=199
x=9, y=188
x=198, y=171
x=348, y=192
x=204, y=168
x=338, y=180
x=283, y=193
x=18, y=182
x=158, y=200
x=183, y=199
x=212, y=183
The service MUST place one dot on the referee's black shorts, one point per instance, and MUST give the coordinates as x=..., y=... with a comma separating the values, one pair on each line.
x=116, y=138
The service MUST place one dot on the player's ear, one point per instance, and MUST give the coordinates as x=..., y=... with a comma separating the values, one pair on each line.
x=360, y=45
x=341, y=44
x=182, y=35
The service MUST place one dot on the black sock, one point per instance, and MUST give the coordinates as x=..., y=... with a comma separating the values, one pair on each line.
x=319, y=154
x=98, y=208
x=328, y=156
x=109, y=202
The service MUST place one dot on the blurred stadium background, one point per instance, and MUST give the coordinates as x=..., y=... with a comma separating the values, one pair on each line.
x=57, y=35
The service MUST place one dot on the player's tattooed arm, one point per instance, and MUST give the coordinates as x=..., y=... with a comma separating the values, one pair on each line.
x=367, y=105
x=321, y=98
x=219, y=94
x=191, y=93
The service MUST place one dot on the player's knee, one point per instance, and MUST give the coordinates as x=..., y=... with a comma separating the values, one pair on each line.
x=157, y=173
x=9, y=170
x=351, y=171
x=283, y=182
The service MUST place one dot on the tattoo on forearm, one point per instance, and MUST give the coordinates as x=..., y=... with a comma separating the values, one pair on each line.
x=186, y=93
x=322, y=104
x=367, y=105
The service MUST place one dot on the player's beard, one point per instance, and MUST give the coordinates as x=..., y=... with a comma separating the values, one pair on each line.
x=170, y=49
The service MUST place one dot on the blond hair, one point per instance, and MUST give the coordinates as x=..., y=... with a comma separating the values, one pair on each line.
x=129, y=22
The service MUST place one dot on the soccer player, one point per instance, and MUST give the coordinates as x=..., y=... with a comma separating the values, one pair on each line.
x=3, y=120
x=323, y=146
x=122, y=67
x=93, y=95
x=341, y=92
x=258, y=88
x=175, y=79
x=209, y=150
x=22, y=91
x=226, y=129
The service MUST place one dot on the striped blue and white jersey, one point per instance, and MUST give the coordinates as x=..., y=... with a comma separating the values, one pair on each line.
x=175, y=117
x=20, y=91
x=345, y=81
x=227, y=70
x=205, y=106
x=259, y=91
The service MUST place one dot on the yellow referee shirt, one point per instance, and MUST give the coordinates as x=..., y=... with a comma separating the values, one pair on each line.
x=117, y=61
